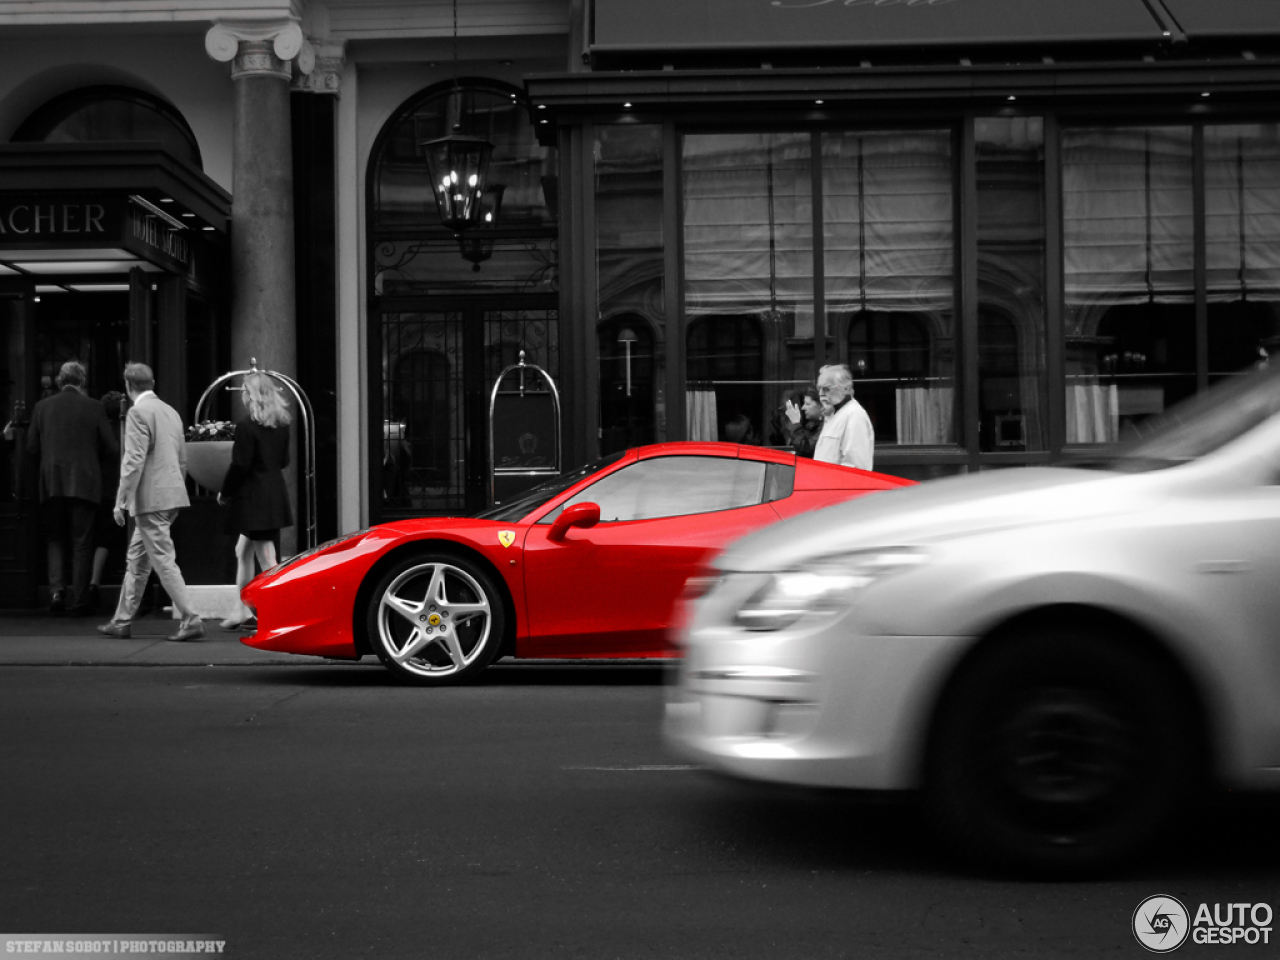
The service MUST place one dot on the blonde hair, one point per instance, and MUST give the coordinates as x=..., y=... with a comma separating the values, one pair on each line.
x=263, y=400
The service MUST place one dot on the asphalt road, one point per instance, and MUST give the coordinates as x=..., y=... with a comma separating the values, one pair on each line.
x=322, y=811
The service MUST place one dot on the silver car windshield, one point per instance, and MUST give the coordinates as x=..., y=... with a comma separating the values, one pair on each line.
x=1200, y=425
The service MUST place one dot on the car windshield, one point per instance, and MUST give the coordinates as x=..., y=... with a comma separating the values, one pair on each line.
x=1198, y=426
x=529, y=500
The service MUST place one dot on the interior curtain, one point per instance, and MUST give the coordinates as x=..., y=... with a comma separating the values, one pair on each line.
x=887, y=220
x=747, y=222
x=1093, y=413
x=924, y=414
x=1242, y=212
x=1127, y=208
x=700, y=415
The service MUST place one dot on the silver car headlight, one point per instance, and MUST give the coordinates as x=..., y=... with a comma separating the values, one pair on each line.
x=821, y=588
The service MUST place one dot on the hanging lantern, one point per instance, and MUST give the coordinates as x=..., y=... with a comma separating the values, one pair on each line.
x=477, y=244
x=458, y=166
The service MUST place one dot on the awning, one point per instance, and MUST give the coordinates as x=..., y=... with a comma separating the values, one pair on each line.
x=624, y=26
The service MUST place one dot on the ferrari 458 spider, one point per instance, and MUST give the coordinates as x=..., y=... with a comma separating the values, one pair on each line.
x=586, y=566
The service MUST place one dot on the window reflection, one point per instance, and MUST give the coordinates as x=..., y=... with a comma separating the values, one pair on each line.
x=1011, y=267
x=888, y=268
x=1128, y=249
x=630, y=264
x=1242, y=232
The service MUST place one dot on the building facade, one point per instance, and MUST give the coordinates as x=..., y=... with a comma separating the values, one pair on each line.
x=1025, y=229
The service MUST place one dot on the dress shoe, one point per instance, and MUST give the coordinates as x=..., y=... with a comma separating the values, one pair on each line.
x=116, y=628
x=189, y=630
x=57, y=603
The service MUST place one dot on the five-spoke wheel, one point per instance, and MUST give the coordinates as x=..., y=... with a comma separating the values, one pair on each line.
x=436, y=619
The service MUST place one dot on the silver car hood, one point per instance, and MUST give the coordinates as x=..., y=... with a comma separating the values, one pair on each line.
x=940, y=510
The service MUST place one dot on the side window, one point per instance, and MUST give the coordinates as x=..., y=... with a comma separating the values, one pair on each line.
x=674, y=487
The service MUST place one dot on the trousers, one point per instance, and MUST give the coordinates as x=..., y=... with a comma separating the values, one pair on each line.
x=70, y=520
x=152, y=546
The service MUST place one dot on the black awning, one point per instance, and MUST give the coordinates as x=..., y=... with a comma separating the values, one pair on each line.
x=625, y=26
x=1203, y=19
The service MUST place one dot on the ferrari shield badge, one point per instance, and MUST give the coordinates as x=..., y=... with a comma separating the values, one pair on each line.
x=506, y=537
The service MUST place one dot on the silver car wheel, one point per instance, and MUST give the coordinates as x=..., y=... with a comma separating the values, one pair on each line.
x=434, y=620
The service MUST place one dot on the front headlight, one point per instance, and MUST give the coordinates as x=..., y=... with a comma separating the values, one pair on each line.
x=822, y=587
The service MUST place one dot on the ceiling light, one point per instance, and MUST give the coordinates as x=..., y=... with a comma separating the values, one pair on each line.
x=542, y=106
x=819, y=102
x=627, y=105
x=1011, y=97
x=1205, y=94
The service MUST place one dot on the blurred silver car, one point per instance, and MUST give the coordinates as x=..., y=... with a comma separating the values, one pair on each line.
x=1060, y=657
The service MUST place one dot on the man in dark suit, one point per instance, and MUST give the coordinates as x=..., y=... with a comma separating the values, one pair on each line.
x=69, y=438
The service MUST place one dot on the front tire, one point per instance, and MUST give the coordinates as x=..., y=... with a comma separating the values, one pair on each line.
x=1060, y=751
x=436, y=619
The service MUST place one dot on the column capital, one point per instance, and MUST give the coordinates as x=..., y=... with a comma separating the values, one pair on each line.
x=326, y=76
x=259, y=47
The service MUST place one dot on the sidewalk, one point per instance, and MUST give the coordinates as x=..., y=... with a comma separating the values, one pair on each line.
x=34, y=638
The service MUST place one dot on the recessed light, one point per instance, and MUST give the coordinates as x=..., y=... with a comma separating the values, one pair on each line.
x=542, y=121
x=1012, y=97
x=206, y=228
x=36, y=299
x=819, y=102
x=166, y=200
x=627, y=105
x=188, y=214
x=1205, y=94
x=542, y=106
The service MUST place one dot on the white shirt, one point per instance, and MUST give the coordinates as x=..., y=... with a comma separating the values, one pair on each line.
x=847, y=437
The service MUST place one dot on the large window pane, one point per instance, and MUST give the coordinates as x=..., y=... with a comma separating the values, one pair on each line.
x=1011, y=317
x=1128, y=248
x=748, y=271
x=888, y=264
x=629, y=265
x=1242, y=228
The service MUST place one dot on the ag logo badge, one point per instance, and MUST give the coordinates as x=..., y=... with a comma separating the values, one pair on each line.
x=1161, y=924
x=506, y=537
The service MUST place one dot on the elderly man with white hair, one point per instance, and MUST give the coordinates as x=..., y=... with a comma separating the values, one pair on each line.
x=847, y=435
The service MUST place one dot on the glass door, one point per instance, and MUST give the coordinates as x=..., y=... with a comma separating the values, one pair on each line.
x=18, y=534
x=439, y=359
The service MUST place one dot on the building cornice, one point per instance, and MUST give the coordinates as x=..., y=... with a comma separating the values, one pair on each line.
x=29, y=13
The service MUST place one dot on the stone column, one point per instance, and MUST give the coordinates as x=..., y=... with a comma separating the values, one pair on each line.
x=263, y=297
x=263, y=313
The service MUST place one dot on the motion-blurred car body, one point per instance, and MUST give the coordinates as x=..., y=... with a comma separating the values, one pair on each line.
x=1057, y=656
x=586, y=566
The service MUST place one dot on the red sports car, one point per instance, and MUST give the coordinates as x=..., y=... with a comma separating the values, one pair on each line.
x=588, y=565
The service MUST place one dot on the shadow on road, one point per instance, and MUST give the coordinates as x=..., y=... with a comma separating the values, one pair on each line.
x=523, y=674
x=1228, y=836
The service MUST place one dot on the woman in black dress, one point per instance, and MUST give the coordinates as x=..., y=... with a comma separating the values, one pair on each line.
x=254, y=486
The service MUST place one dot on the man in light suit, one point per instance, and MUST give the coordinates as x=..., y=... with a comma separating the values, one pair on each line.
x=69, y=437
x=847, y=436
x=153, y=470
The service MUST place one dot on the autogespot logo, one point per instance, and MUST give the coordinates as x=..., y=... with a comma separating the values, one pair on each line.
x=1161, y=923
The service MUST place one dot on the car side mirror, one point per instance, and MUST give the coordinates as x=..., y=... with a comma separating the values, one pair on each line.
x=579, y=515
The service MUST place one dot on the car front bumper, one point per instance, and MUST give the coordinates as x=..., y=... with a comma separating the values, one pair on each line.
x=830, y=708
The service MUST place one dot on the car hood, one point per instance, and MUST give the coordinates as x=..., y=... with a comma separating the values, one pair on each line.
x=939, y=510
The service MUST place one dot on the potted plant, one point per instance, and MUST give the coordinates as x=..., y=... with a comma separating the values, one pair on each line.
x=209, y=444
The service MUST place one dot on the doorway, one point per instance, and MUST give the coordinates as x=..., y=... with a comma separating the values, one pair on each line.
x=437, y=361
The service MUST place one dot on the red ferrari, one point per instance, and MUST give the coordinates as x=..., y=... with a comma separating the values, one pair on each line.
x=587, y=565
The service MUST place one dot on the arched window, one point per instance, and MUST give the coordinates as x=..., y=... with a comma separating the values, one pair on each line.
x=111, y=114
x=626, y=383
x=411, y=251
x=725, y=370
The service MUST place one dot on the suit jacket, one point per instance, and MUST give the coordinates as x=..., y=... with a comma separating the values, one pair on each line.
x=153, y=467
x=69, y=437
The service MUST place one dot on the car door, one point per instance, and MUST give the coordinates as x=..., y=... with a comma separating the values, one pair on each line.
x=609, y=590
